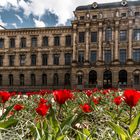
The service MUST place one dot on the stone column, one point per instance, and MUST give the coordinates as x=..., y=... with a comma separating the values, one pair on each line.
x=87, y=43
x=39, y=59
x=74, y=43
x=116, y=50
x=17, y=59
x=5, y=60
x=100, y=43
x=130, y=49
x=62, y=58
x=39, y=40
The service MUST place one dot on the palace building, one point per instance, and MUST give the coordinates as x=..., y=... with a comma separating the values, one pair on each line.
x=101, y=48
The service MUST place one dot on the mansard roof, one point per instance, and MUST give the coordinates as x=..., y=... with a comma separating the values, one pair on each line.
x=108, y=5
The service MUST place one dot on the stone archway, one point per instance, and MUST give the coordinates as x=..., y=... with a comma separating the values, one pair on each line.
x=122, y=77
x=92, y=77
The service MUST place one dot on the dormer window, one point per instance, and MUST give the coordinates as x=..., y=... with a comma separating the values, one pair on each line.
x=94, y=17
x=123, y=14
x=82, y=17
x=137, y=14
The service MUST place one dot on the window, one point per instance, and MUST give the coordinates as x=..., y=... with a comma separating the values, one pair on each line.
x=0, y=80
x=68, y=40
x=107, y=56
x=1, y=43
x=11, y=80
x=11, y=60
x=56, y=41
x=137, y=14
x=23, y=42
x=33, y=59
x=108, y=34
x=93, y=36
x=81, y=57
x=21, y=79
x=44, y=59
x=56, y=59
x=94, y=17
x=33, y=80
x=67, y=79
x=44, y=79
x=81, y=37
x=122, y=56
x=82, y=17
x=1, y=60
x=22, y=59
x=34, y=41
x=93, y=56
x=12, y=43
x=45, y=41
x=55, y=79
x=136, y=34
x=123, y=35
x=136, y=55
x=136, y=79
x=123, y=14
x=67, y=59
x=80, y=79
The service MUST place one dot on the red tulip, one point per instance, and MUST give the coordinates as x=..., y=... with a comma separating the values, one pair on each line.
x=43, y=101
x=85, y=108
x=4, y=96
x=61, y=96
x=42, y=109
x=117, y=100
x=18, y=107
x=131, y=97
x=88, y=92
x=95, y=100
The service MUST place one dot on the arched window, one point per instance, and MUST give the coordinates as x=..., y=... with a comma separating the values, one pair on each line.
x=136, y=75
x=107, y=79
x=123, y=77
x=33, y=80
x=55, y=79
x=21, y=79
x=11, y=80
x=44, y=79
x=67, y=79
x=0, y=80
x=92, y=77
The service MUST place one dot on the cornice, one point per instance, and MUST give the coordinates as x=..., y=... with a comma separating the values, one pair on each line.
x=36, y=31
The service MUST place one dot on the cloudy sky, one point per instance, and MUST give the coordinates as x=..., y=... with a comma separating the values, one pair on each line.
x=39, y=13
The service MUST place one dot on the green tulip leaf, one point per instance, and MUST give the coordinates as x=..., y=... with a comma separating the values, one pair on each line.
x=134, y=124
x=9, y=123
x=119, y=130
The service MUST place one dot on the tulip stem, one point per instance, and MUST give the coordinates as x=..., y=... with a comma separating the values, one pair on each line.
x=3, y=108
x=60, y=106
x=130, y=115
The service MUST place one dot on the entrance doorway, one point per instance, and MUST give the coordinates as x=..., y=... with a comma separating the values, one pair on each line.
x=92, y=78
x=107, y=79
x=122, y=78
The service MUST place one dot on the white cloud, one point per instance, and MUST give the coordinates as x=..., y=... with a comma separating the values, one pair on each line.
x=38, y=23
x=19, y=18
x=2, y=23
x=14, y=24
x=62, y=8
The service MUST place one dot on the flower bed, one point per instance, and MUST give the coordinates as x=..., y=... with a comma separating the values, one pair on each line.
x=69, y=115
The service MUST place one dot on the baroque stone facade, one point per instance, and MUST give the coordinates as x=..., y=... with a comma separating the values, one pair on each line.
x=101, y=48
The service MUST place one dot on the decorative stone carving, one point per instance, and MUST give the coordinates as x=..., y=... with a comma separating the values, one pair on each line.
x=124, y=2
x=94, y=5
